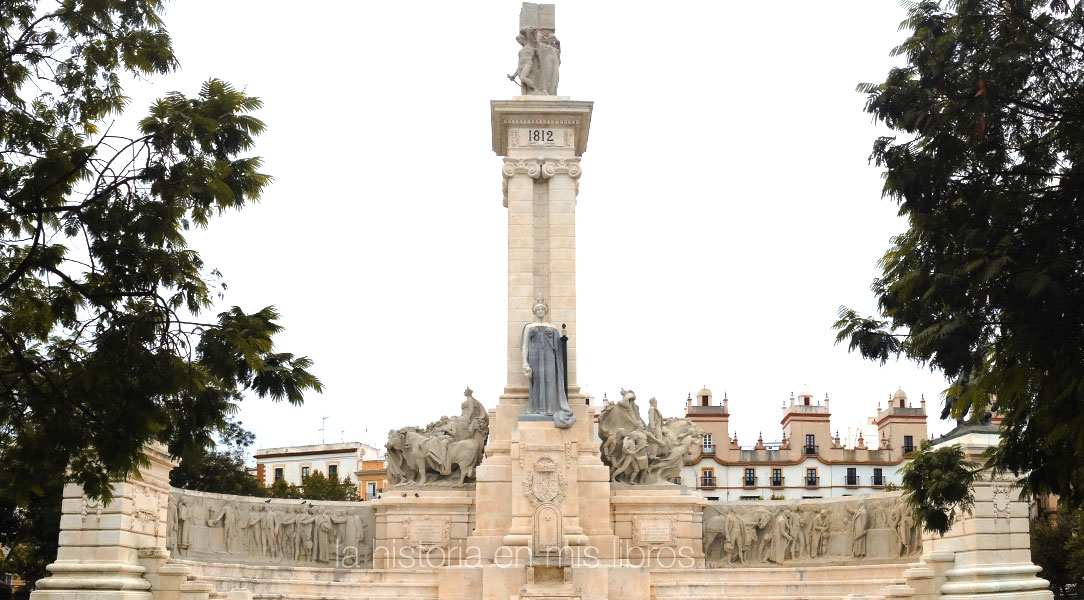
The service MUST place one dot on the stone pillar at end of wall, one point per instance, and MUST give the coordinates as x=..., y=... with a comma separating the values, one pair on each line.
x=103, y=546
x=990, y=547
x=658, y=526
x=424, y=527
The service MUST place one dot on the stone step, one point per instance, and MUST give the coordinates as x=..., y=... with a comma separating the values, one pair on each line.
x=848, y=582
x=787, y=573
x=308, y=583
x=794, y=590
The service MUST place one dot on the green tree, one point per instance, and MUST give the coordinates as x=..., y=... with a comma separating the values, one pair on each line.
x=1057, y=545
x=104, y=345
x=318, y=487
x=281, y=489
x=221, y=469
x=987, y=283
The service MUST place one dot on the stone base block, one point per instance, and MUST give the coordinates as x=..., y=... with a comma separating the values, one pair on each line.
x=93, y=580
x=424, y=527
x=996, y=581
x=658, y=526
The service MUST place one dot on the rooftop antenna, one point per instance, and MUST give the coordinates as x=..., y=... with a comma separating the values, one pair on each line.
x=323, y=430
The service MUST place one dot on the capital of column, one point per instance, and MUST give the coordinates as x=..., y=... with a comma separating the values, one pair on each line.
x=541, y=169
x=538, y=169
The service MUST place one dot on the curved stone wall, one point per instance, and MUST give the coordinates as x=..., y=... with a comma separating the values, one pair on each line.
x=850, y=530
x=222, y=528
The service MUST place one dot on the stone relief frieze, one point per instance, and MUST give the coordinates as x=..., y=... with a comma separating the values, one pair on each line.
x=243, y=529
x=444, y=452
x=809, y=531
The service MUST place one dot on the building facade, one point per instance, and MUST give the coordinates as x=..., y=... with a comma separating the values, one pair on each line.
x=294, y=463
x=809, y=462
x=372, y=478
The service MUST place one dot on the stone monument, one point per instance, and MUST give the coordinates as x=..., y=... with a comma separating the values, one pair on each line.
x=522, y=501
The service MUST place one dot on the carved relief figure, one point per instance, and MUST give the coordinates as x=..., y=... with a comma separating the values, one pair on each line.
x=230, y=519
x=818, y=544
x=324, y=535
x=184, y=527
x=732, y=531
x=860, y=527
x=780, y=538
x=544, y=366
x=449, y=444
x=797, y=543
x=904, y=524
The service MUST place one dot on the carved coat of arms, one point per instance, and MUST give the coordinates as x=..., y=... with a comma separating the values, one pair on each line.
x=545, y=484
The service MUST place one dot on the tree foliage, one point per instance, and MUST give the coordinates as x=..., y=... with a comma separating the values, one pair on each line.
x=937, y=480
x=316, y=487
x=987, y=165
x=220, y=470
x=104, y=344
x=1057, y=545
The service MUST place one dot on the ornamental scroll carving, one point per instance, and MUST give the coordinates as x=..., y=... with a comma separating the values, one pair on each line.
x=539, y=170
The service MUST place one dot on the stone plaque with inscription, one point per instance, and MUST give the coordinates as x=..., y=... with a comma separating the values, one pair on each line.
x=427, y=533
x=655, y=531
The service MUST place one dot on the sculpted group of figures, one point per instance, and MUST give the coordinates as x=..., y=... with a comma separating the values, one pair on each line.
x=254, y=531
x=446, y=450
x=809, y=531
x=644, y=453
x=537, y=71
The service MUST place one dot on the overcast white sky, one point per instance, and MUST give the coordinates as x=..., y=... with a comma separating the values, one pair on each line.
x=726, y=207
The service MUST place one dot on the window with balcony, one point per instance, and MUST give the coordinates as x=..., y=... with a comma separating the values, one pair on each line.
x=878, y=476
x=810, y=444
x=370, y=490
x=908, y=443
x=709, y=448
x=707, y=478
x=852, y=476
x=811, y=479
x=278, y=473
x=777, y=478
x=750, y=478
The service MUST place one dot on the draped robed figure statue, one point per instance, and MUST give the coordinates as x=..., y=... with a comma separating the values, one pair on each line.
x=544, y=366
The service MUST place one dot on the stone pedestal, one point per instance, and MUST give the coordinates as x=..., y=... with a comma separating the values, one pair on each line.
x=101, y=544
x=658, y=526
x=986, y=554
x=547, y=495
x=424, y=527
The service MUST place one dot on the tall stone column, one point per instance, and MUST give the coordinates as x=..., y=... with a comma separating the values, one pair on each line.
x=532, y=466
